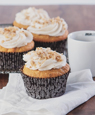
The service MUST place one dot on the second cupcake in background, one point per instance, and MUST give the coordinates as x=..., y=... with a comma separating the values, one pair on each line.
x=50, y=33
x=14, y=42
x=24, y=18
x=45, y=73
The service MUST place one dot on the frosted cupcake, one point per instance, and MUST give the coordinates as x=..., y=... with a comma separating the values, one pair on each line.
x=50, y=33
x=14, y=42
x=45, y=73
x=24, y=18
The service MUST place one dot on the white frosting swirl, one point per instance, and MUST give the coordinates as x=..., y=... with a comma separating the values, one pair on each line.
x=26, y=16
x=44, y=59
x=12, y=37
x=52, y=27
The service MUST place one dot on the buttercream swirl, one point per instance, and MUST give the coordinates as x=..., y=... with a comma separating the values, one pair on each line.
x=52, y=27
x=12, y=37
x=26, y=16
x=44, y=59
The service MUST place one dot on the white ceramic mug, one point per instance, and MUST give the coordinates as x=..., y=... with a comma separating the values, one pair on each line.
x=81, y=50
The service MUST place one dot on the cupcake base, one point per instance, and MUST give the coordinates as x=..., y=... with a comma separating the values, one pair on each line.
x=11, y=62
x=57, y=46
x=43, y=88
x=20, y=25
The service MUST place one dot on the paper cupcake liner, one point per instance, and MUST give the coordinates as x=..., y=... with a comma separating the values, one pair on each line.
x=11, y=62
x=43, y=88
x=57, y=46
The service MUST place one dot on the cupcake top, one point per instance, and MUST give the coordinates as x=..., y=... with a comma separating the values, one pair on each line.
x=44, y=59
x=12, y=37
x=31, y=14
x=52, y=27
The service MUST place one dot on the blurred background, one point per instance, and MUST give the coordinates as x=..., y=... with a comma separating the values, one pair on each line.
x=79, y=15
x=45, y=2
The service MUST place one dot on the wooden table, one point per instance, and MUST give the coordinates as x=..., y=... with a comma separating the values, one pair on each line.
x=78, y=17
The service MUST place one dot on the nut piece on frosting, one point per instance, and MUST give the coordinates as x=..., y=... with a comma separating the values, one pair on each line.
x=44, y=59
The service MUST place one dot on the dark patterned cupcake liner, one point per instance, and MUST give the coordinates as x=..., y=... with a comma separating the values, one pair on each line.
x=43, y=88
x=57, y=46
x=11, y=62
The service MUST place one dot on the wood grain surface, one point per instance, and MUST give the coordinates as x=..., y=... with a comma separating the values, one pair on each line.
x=78, y=17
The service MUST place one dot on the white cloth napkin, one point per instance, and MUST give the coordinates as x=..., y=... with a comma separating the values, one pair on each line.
x=15, y=101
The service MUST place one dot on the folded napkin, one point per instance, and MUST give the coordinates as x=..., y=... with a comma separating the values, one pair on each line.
x=15, y=101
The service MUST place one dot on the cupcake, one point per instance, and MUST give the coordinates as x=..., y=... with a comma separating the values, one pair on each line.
x=24, y=18
x=14, y=42
x=50, y=33
x=45, y=73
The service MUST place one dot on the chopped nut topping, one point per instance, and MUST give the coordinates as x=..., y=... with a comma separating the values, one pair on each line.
x=40, y=57
x=9, y=32
x=2, y=41
x=33, y=63
x=45, y=54
x=46, y=22
x=27, y=17
x=1, y=31
x=58, y=58
x=25, y=34
x=11, y=29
